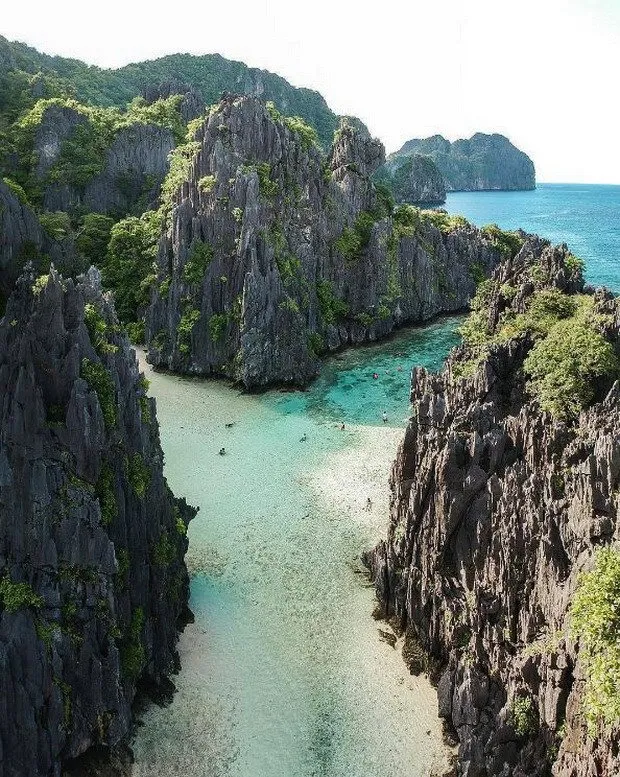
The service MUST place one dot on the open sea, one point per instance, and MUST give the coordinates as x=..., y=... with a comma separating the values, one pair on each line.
x=284, y=672
x=584, y=216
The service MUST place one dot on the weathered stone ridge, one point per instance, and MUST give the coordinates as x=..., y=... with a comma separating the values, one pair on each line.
x=496, y=509
x=480, y=163
x=134, y=166
x=275, y=254
x=23, y=239
x=93, y=586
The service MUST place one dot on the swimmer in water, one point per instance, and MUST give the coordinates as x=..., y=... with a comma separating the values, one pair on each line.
x=342, y=427
x=304, y=437
x=222, y=451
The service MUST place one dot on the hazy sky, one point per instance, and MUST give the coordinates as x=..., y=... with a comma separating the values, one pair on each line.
x=543, y=72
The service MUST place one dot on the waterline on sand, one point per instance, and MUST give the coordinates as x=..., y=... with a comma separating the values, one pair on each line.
x=284, y=672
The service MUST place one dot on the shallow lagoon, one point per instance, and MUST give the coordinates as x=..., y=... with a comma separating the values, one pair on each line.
x=284, y=671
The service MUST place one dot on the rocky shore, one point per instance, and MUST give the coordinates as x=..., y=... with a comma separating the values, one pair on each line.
x=93, y=585
x=498, y=507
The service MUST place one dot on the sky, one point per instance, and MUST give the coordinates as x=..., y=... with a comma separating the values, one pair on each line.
x=542, y=72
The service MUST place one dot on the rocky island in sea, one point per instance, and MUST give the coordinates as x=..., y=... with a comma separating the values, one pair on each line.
x=275, y=254
x=248, y=240
x=480, y=163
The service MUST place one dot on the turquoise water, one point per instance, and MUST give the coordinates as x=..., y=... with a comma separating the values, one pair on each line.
x=347, y=391
x=586, y=217
x=284, y=673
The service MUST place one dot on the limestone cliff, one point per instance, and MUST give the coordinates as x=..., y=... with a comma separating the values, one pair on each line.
x=130, y=172
x=497, y=507
x=23, y=239
x=482, y=162
x=191, y=106
x=414, y=178
x=274, y=254
x=93, y=586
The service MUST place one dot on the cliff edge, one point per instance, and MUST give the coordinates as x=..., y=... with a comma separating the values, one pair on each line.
x=93, y=586
x=501, y=563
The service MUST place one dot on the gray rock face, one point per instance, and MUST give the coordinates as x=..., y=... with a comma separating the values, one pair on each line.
x=415, y=179
x=496, y=509
x=192, y=105
x=57, y=125
x=92, y=578
x=275, y=254
x=22, y=239
x=135, y=165
x=483, y=162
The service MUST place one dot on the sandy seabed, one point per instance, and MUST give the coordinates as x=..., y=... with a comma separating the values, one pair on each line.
x=284, y=672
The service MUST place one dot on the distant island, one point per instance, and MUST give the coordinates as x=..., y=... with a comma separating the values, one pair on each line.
x=481, y=163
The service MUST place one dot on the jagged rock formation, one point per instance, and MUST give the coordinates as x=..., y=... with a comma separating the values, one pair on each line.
x=496, y=509
x=192, y=105
x=414, y=178
x=93, y=586
x=134, y=167
x=482, y=162
x=22, y=239
x=136, y=164
x=274, y=254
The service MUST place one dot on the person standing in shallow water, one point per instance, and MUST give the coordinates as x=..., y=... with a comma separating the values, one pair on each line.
x=384, y=417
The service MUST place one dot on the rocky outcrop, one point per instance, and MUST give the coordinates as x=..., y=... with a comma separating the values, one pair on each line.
x=483, y=162
x=135, y=167
x=191, y=106
x=93, y=586
x=496, y=509
x=414, y=178
x=132, y=167
x=23, y=239
x=274, y=254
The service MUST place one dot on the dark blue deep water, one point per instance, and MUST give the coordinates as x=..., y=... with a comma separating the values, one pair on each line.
x=585, y=216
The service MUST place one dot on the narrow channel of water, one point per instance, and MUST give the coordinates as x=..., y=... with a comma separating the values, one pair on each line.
x=284, y=672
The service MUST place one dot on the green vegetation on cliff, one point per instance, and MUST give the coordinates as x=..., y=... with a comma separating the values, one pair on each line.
x=83, y=153
x=16, y=596
x=128, y=265
x=570, y=356
x=595, y=620
x=565, y=365
x=210, y=75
